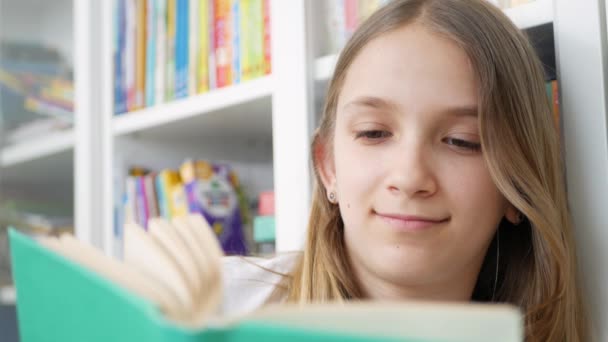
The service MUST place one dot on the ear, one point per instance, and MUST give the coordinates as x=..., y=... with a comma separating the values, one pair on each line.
x=513, y=215
x=324, y=163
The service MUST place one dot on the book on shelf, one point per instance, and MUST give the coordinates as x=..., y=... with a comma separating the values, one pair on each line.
x=170, y=287
x=199, y=187
x=170, y=49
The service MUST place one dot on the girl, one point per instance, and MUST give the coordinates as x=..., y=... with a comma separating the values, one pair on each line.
x=438, y=175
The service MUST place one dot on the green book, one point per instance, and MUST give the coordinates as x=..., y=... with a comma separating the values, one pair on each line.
x=60, y=300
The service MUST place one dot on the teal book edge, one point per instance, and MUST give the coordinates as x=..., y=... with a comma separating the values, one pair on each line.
x=58, y=300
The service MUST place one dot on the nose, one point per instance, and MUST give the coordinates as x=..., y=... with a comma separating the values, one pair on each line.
x=411, y=171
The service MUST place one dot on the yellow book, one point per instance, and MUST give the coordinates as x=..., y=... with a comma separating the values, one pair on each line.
x=203, y=47
x=170, y=79
x=140, y=55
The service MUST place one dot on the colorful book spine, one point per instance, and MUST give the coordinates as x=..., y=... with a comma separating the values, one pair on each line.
x=170, y=67
x=193, y=42
x=245, y=32
x=130, y=201
x=203, y=53
x=120, y=94
x=222, y=46
x=142, y=202
x=130, y=41
x=151, y=196
x=267, y=38
x=151, y=41
x=235, y=21
x=211, y=61
x=351, y=17
x=181, y=50
x=161, y=51
x=140, y=58
x=257, y=44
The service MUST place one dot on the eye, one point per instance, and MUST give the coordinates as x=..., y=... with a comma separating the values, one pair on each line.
x=373, y=134
x=463, y=144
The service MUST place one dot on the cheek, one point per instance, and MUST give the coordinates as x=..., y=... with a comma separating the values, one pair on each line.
x=474, y=198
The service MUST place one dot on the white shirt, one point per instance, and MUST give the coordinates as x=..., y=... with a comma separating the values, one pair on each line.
x=248, y=284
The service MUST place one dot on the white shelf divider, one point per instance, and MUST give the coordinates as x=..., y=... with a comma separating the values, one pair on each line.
x=532, y=14
x=192, y=106
x=37, y=148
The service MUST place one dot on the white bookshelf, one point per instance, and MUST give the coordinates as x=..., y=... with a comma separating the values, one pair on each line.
x=234, y=110
x=38, y=148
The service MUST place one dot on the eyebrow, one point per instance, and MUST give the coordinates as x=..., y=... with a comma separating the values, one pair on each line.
x=379, y=103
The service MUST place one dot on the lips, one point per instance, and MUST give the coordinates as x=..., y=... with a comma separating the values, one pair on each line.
x=410, y=222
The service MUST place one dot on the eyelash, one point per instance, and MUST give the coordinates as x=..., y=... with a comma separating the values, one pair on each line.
x=380, y=134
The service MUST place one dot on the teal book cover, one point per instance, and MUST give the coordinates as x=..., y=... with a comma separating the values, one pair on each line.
x=60, y=300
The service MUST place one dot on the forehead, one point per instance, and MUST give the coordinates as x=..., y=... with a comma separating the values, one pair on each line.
x=414, y=68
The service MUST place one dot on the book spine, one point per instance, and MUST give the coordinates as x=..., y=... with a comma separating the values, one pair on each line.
x=130, y=205
x=170, y=67
x=555, y=103
x=131, y=21
x=267, y=38
x=235, y=22
x=181, y=50
x=222, y=42
x=351, y=17
x=193, y=42
x=202, y=60
x=257, y=36
x=211, y=60
x=142, y=202
x=161, y=51
x=140, y=58
x=120, y=96
x=179, y=202
x=161, y=196
x=151, y=195
x=245, y=40
x=150, y=52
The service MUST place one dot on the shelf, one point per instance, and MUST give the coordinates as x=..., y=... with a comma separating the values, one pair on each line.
x=45, y=146
x=242, y=110
x=8, y=295
x=532, y=14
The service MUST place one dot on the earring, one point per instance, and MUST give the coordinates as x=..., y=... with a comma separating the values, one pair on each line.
x=332, y=197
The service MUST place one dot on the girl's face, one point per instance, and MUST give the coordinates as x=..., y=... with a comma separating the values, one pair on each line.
x=417, y=201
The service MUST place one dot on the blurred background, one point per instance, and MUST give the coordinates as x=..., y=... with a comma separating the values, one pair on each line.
x=120, y=111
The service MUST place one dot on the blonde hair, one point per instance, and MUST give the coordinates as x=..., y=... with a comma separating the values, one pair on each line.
x=537, y=270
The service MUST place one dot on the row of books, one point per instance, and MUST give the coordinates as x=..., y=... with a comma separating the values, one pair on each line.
x=344, y=16
x=209, y=189
x=35, y=85
x=171, y=49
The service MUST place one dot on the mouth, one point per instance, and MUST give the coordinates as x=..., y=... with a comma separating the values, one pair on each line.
x=410, y=223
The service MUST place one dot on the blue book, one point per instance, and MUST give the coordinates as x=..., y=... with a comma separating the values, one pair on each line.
x=150, y=52
x=120, y=92
x=181, y=50
x=236, y=45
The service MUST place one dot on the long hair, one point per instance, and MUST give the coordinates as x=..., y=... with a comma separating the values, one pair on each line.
x=537, y=270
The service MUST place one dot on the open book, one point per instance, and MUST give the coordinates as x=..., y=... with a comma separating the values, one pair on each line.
x=169, y=288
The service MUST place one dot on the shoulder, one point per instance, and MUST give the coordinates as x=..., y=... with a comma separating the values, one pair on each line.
x=250, y=282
